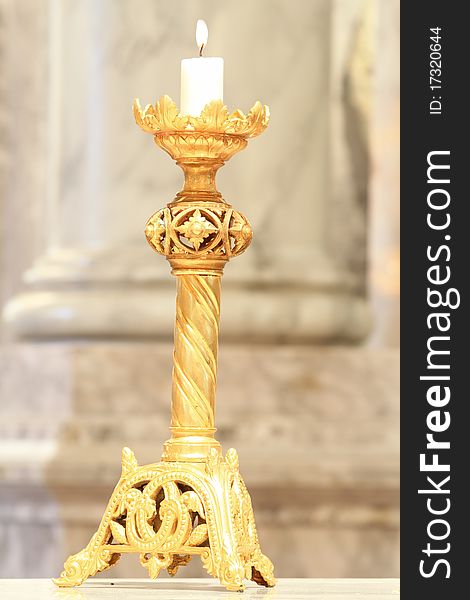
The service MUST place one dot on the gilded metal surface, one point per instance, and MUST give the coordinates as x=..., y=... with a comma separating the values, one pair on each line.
x=196, y=335
x=199, y=230
x=168, y=512
x=215, y=133
x=194, y=501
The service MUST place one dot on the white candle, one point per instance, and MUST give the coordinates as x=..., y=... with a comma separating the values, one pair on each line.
x=202, y=79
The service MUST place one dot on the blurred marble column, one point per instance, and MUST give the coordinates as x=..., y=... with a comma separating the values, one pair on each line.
x=304, y=186
x=88, y=279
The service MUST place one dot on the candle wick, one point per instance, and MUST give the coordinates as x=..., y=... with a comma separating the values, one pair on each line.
x=201, y=49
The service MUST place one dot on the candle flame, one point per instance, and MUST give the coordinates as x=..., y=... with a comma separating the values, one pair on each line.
x=202, y=33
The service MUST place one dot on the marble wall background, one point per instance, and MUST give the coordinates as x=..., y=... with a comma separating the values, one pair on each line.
x=310, y=313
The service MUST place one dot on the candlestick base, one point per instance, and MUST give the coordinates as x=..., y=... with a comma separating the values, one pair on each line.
x=169, y=511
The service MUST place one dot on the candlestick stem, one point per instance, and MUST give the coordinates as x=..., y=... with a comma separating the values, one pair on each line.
x=194, y=368
x=199, y=179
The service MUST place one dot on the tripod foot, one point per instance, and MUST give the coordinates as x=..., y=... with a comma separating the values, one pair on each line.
x=169, y=511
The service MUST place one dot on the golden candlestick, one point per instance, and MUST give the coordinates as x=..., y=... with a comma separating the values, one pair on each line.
x=194, y=501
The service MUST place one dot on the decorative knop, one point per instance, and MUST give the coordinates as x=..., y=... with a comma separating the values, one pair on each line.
x=198, y=230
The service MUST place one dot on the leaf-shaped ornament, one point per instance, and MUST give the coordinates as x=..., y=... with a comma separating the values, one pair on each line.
x=198, y=535
x=213, y=117
x=193, y=503
x=119, y=532
x=128, y=461
x=167, y=115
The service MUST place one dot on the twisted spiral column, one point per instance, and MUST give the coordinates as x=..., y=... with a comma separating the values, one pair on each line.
x=195, y=354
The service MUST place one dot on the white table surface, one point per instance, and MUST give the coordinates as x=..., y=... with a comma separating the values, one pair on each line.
x=198, y=589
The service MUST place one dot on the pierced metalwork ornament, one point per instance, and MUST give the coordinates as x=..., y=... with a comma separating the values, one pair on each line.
x=193, y=502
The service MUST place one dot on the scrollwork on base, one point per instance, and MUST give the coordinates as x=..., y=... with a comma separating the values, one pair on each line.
x=167, y=512
x=93, y=559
